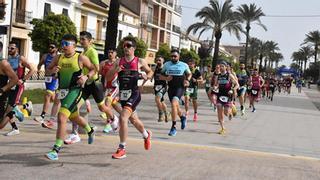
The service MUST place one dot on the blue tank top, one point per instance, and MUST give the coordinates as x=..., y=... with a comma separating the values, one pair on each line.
x=48, y=60
x=14, y=62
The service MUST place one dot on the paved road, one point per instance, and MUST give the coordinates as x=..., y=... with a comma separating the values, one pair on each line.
x=280, y=141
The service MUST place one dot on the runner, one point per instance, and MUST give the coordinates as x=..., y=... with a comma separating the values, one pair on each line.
x=51, y=83
x=299, y=84
x=8, y=79
x=243, y=76
x=130, y=97
x=69, y=67
x=178, y=75
x=91, y=87
x=110, y=86
x=18, y=64
x=207, y=75
x=160, y=89
x=192, y=89
x=224, y=87
x=272, y=87
x=255, y=84
x=213, y=82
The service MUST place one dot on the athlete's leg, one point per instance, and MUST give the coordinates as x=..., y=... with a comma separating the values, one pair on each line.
x=186, y=103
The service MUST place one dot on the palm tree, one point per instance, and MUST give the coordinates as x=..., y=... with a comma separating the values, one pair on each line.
x=313, y=38
x=270, y=48
x=217, y=18
x=306, y=53
x=112, y=26
x=262, y=52
x=275, y=57
x=297, y=57
x=247, y=15
x=254, y=50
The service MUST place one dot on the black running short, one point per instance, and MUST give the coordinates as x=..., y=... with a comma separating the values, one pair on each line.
x=94, y=89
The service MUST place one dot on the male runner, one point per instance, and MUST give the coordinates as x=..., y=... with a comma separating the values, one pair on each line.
x=192, y=89
x=51, y=83
x=110, y=86
x=224, y=87
x=207, y=75
x=69, y=67
x=18, y=64
x=130, y=97
x=243, y=76
x=178, y=75
x=8, y=79
x=91, y=87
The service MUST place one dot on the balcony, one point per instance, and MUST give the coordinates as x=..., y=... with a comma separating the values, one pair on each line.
x=154, y=44
x=22, y=17
x=169, y=26
x=146, y=18
x=178, y=9
x=155, y=20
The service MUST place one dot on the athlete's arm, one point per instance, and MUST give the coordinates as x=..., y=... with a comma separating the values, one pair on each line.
x=85, y=62
x=145, y=67
x=53, y=66
x=13, y=78
x=262, y=81
x=26, y=64
x=101, y=67
x=41, y=62
x=234, y=81
x=115, y=68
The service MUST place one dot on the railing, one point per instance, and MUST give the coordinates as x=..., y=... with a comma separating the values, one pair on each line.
x=22, y=16
x=155, y=20
x=153, y=44
x=178, y=9
x=163, y=23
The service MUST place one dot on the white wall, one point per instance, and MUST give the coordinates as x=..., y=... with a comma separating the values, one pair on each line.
x=175, y=40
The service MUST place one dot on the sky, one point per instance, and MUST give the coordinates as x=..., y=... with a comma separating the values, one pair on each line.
x=288, y=32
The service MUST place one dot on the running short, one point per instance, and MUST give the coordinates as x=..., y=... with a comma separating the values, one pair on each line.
x=3, y=105
x=95, y=90
x=224, y=101
x=130, y=99
x=112, y=95
x=51, y=85
x=70, y=102
x=14, y=94
x=241, y=91
x=175, y=93
x=207, y=87
x=192, y=92
x=254, y=92
x=160, y=91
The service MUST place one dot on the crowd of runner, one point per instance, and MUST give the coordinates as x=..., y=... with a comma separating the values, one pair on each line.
x=72, y=77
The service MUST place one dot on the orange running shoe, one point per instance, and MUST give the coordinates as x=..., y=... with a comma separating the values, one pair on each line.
x=120, y=154
x=147, y=141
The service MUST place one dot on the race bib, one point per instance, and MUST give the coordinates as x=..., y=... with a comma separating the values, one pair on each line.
x=48, y=79
x=158, y=87
x=224, y=99
x=125, y=95
x=254, y=92
x=208, y=85
x=271, y=85
x=190, y=90
x=62, y=93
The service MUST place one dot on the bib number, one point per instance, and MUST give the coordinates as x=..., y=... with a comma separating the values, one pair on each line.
x=62, y=93
x=208, y=85
x=158, y=87
x=271, y=85
x=254, y=92
x=125, y=95
x=190, y=90
x=48, y=79
x=224, y=99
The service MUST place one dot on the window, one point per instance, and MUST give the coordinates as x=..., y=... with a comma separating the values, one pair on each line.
x=120, y=35
x=99, y=29
x=47, y=9
x=65, y=12
x=83, y=23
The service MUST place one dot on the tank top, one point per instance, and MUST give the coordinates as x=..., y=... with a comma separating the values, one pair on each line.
x=224, y=83
x=129, y=74
x=242, y=77
x=48, y=60
x=69, y=72
x=255, y=82
x=14, y=62
x=157, y=74
x=113, y=82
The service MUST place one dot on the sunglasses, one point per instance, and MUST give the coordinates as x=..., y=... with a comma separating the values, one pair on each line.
x=174, y=56
x=12, y=48
x=67, y=43
x=127, y=45
x=52, y=47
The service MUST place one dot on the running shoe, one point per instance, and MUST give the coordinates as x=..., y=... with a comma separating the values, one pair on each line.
x=19, y=115
x=120, y=154
x=254, y=110
x=39, y=119
x=91, y=135
x=72, y=138
x=29, y=108
x=52, y=155
x=107, y=128
x=161, y=117
x=13, y=132
x=173, y=132
x=222, y=132
x=167, y=116
x=47, y=124
x=195, y=117
x=242, y=112
x=183, y=122
x=147, y=141
x=104, y=116
x=115, y=123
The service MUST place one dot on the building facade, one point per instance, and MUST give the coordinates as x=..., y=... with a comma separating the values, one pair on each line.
x=189, y=42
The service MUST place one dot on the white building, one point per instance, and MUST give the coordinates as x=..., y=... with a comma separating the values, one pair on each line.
x=5, y=12
x=189, y=42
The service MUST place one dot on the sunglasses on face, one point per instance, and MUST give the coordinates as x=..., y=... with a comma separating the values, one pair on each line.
x=127, y=45
x=174, y=56
x=66, y=43
x=52, y=47
x=12, y=48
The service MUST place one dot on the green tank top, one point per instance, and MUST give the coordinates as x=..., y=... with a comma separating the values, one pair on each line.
x=92, y=54
x=69, y=72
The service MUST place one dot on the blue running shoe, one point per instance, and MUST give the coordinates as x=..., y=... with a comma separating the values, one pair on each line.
x=18, y=114
x=52, y=155
x=253, y=109
x=91, y=135
x=183, y=122
x=173, y=132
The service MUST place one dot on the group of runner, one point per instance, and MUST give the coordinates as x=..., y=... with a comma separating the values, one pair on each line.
x=72, y=77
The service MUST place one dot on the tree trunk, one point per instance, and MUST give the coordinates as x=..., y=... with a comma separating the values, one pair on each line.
x=217, y=35
x=112, y=26
x=260, y=63
x=247, y=43
x=305, y=65
x=315, y=53
x=265, y=64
